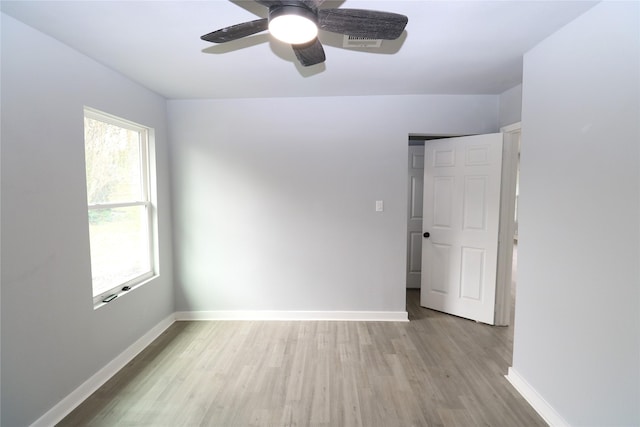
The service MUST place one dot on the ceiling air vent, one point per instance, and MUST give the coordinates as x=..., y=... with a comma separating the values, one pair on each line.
x=353, y=41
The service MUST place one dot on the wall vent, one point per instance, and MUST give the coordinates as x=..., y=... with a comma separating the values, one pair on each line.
x=353, y=41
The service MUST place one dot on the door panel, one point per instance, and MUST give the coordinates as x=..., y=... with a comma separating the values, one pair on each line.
x=439, y=273
x=417, y=195
x=474, y=204
x=443, y=157
x=472, y=274
x=415, y=253
x=442, y=201
x=461, y=213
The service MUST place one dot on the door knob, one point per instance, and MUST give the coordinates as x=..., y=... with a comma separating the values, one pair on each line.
x=426, y=235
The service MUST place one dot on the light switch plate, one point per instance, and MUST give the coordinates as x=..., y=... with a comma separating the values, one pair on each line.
x=379, y=205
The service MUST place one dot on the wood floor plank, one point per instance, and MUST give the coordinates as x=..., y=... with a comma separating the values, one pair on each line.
x=436, y=370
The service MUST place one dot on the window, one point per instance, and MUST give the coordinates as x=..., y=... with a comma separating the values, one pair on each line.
x=120, y=208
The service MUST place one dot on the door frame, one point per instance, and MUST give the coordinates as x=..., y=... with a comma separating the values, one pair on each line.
x=510, y=154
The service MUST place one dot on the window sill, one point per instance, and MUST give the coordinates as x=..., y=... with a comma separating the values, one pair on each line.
x=121, y=293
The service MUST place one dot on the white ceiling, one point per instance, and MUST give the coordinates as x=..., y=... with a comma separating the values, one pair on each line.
x=449, y=47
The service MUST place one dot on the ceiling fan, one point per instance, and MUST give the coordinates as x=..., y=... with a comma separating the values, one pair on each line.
x=297, y=23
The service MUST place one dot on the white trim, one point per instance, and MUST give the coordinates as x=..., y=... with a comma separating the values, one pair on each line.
x=510, y=150
x=118, y=205
x=134, y=283
x=541, y=406
x=361, y=316
x=80, y=394
x=111, y=119
x=513, y=127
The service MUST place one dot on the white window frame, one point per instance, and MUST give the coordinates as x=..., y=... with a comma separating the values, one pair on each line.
x=145, y=143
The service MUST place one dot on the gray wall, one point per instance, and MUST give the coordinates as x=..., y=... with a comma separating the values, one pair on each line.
x=577, y=326
x=510, y=106
x=274, y=199
x=52, y=339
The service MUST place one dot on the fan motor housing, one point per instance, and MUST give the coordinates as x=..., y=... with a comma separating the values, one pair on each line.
x=292, y=9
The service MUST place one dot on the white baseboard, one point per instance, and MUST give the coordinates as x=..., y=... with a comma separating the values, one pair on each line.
x=80, y=394
x=360, y=316
x=541, y=406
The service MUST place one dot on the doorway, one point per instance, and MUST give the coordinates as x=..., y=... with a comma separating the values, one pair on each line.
x=507, y=253
x=415, y=182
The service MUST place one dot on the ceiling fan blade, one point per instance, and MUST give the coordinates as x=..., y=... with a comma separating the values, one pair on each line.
x=313, y=4
x=269, y=3
x=370, y=24
x=311, y=53
x=237, y=31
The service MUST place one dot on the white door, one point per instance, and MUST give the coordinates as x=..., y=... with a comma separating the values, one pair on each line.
x=460, y=217
x=414, y=219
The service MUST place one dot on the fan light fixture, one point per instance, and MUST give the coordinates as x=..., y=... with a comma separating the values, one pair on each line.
x=293, y=24
x=296, y=22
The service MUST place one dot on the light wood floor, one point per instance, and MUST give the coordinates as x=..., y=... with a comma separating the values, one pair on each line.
x=436, y=370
